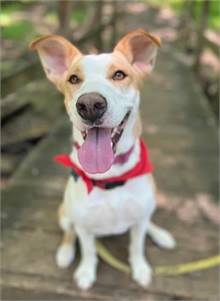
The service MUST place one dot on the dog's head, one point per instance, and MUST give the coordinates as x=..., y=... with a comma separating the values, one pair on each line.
x=101, y=91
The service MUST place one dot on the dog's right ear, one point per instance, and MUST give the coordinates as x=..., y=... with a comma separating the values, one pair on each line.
x=56, y=54
x=140, y=49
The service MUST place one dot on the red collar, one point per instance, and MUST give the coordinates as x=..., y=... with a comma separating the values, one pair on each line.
x=143, y=166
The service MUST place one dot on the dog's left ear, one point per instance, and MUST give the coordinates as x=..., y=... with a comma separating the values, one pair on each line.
x=56, y=54
x=140, y=49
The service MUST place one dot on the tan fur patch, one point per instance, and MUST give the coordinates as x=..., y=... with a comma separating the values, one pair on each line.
x=119, y=62
x=61, y=211
x=69, y=237
x=152, y=182
x=68, y=88
x=137, y=127
x=71, y=50
x=124, y=47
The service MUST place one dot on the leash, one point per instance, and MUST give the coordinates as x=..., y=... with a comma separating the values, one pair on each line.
x=178, y=269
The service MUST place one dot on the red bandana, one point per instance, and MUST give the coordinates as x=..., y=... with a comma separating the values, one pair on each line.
x=143, y=166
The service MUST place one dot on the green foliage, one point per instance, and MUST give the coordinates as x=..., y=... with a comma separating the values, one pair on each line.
x=8, y=7
x=12, y=27
x=213, y=16
x=15, y=27
x=51, y=17
x=179, y=5
x=174, y=4
x=214, y=20
x=17, y=30
x=78, y=15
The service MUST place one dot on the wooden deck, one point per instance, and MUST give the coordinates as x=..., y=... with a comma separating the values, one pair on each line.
x=182, y=136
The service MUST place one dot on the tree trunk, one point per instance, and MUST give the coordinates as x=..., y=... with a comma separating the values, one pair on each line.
x=64, y=10
x=98, y=21
x=114, y=25
x=200, y=34
x=186, y=25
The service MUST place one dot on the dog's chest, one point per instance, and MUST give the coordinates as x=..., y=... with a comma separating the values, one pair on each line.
x=113, y=211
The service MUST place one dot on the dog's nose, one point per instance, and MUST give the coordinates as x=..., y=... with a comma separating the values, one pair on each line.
x=91, y=106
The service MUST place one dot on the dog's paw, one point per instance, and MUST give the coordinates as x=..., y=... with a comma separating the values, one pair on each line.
x=65, y=255
x=142, y=274
x=85, y=276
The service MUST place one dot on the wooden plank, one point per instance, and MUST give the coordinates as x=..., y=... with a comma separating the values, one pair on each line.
x=27, y=72
x=35, y=260
x=17, y=293
x=37, y=93
x=45, y=106
x=167, y=102
x=36, y=208
x=39, y=288
x=181, y=140
x=192, y=173
x=8, y=163
x=39, y=168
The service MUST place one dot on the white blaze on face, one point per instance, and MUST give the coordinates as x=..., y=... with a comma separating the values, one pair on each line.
x=119, y=99
x=96, y=153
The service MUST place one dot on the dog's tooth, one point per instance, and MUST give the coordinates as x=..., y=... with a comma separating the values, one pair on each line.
x=114, y=146
x=114, y=131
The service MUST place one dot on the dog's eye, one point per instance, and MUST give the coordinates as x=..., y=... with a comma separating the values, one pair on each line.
x=119, y=75
x=74, y=79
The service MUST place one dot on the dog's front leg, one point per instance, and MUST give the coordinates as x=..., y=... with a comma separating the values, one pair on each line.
x=141, y=270
x=85, y=274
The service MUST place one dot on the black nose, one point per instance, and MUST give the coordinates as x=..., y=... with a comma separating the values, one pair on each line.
x=91, y=106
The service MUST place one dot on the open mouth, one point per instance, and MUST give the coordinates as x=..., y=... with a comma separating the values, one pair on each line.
x=96, y=154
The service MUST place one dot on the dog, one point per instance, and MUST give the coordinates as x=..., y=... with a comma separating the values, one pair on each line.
x=106, y=193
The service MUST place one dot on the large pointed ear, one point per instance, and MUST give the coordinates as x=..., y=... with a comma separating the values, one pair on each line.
x=140, y=49
x=56, y=54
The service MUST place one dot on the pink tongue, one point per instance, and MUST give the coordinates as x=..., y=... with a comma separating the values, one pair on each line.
x=96, y=155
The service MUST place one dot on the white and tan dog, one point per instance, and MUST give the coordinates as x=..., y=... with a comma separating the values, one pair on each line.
x=102, y=100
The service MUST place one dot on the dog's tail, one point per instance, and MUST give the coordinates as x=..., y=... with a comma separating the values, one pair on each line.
x=161, y=237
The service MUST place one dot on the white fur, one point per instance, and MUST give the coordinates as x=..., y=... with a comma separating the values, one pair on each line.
x=65, y=255
x=114, y=211
x=141, y=270
x=85, y=274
